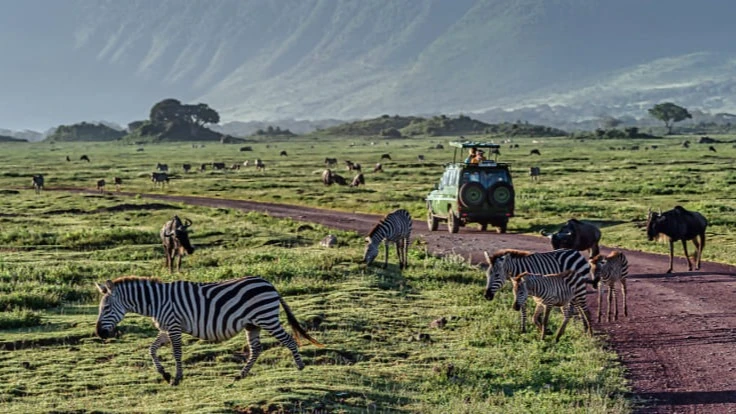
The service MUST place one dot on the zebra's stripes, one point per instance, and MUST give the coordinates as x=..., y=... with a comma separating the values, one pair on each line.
x=611, y=269
x=395, y=227
x=562, y=289
x=505, y=264
x=209, y=311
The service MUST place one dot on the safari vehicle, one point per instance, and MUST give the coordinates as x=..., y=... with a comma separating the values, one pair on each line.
x=472, y=193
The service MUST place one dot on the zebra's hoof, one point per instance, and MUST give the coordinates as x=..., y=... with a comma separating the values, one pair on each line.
x=167, y=376
x=176, y=381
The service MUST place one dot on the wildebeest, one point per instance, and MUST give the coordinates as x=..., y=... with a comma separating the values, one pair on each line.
x=101, y=185
x=68, y=159
x=378, y=167
x=283, y=153
x=420, y=158
x=118, y=182
x=338, y=179
x=535, y=151
x=175, y=238
x=235, y=166
x=203, y=167
x=576, y=235
x=439, y=146
x=327, y=177
x=534, y=173
x=244, y=149
x=37, y=183
x=218, y=165
x=330, y=162
x=712, y=148
x=186, y=167
x=162, y=167
x=84, y=158
x=686, y=144
x=386, y=157
x=159, y=178
x=678, y=224
x=358, y=180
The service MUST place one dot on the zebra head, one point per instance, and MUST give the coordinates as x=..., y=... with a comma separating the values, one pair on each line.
x=496, y=274
x=371, y=251
x=520, y=291
x=112, y=310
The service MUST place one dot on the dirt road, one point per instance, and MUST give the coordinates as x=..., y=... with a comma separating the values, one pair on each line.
x=678, y=343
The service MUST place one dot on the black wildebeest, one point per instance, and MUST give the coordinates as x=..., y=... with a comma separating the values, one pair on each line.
x=386, y=157
x=244, y=149
x=712, y=148
x=101, y=185
x=186, y=167
x=68, y=159
x=203, y=167
x=678, y=224
x=338, y=179
x=534, y=173
x=576, y=235
x=118, y=182
x=37, y=182
x=283, y=153
x=218, y=165
x=535, y=151
x=84, y=158
x=162, y=167
x=330, y=162
x=420, y=158
x=159, y=177
x=175, y=238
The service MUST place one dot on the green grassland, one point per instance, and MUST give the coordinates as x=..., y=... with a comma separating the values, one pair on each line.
x=53, y=246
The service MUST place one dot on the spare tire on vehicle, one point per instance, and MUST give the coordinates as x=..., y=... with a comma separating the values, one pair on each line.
x=471, y=194
x=500, y=194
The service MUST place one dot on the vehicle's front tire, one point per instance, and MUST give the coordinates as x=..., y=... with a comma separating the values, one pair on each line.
x=453, y=224
x=502, y=227
x=432, y=221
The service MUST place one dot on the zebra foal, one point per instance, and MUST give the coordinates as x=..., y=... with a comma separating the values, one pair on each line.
x=210, y=311
x=505, y=264
x=394, y=227
x=611, y=269
x=559, y=289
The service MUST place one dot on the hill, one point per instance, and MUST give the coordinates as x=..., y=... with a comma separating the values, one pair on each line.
x=84, y=131
x=5, y=138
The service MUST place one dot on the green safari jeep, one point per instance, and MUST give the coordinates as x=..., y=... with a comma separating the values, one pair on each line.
x=472, y=193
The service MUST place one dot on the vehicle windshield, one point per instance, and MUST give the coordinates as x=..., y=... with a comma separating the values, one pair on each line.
x=486, y=178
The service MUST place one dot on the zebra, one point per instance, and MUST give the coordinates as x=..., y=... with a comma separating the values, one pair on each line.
x=563, y=289
x=211, y=311
x=395, y=227
x=37, y=182
x=505, y=264
x=611, y=269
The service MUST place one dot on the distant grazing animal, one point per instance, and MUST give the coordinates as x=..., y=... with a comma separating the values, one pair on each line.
x=68, y=159
x=283, y=153
x=203, y=167
x=378, y=167
x=244, y=149
x=564, y=289
x=386, y=157
x=245, y=163
x=37, y=182
x=439, y=146
x=162, y=167
x=100, y=185
x=118, y=183
x=712, y=148
x=159, y=178
x=394, y=227
x=330, y=162
x=140, y=150
x=235, y=166
x=211, y=311
x=653, y=146
x=327, y=177
x=686, y=144
x=186, y=167
x=420, y=158
x=329, y=241
x=84, y=158
x=534, y=173
x=338, y=179
x=218, y=165
x=535, y=151
x=505, y=264
x=678, y=224
x=358, y=180
x=260, y=166
x=354, y=167
x=349, y=164
x=609, y=270
x=576, y=235
x=175, y=239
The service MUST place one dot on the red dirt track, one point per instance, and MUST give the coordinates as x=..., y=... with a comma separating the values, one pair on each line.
x=677, y=344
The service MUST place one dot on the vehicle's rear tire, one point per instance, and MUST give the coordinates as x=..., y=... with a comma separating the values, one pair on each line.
x=502, y=227
x=483, y=226
x=432, y=221
x=472, y=194
x=453, y=223
x=500, y=194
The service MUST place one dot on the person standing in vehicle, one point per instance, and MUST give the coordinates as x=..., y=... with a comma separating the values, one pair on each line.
x=471, y=155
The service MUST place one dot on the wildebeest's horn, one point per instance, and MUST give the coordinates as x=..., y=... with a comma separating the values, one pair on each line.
x=488, y=258
x=545, y=234
x=187, y=222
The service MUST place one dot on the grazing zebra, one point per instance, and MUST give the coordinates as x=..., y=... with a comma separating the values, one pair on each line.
x=611, y=269
x=562, y=289
x=101, y=185
x=505, y=264
x=210, y=311
x=395, y=227
x=37, y=182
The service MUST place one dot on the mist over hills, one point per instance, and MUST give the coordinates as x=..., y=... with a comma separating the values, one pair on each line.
x=251, y=60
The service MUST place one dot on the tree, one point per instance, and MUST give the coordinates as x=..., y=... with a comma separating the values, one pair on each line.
x=202, y=114
x=669, y=113
x=167, y=110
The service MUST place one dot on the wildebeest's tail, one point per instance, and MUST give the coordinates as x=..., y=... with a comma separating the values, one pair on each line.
x=299, y=332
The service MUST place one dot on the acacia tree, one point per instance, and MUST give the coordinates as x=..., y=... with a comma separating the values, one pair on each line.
x=669, y=113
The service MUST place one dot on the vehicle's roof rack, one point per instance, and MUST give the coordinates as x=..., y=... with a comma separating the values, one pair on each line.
x=471, y=144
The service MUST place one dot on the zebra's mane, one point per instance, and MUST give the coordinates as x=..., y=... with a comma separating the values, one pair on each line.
x=379, y=224
x=511, y=252
x=123, y=279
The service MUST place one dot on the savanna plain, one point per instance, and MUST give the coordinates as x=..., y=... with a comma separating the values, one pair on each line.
x=380, y=354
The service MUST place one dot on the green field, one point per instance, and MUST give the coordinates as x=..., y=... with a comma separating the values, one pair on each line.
x=53, y=246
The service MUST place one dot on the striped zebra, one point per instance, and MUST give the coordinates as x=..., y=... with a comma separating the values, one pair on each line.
x=505, y=264
x=209, y=311
x=562, y=289
x=395, y=227
x=611, y=269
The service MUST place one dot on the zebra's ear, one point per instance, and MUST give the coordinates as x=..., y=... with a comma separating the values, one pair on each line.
x=109, y=285
x=368, y=239
x=488, y=258
x=101, y=288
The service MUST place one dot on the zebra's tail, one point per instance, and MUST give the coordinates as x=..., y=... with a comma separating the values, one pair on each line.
x=299, y=332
